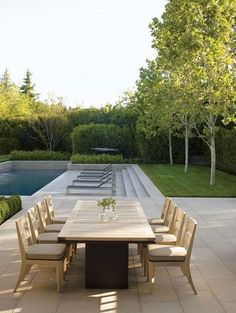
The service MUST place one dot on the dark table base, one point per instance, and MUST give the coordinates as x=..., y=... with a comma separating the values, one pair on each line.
x=106, y=265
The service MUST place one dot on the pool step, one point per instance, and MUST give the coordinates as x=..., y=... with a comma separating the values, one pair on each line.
x=128, y=185
x=120, y=188
x=137, y=184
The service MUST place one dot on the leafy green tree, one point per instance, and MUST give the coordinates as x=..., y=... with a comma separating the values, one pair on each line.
x=6, y=80
x=156, y=115
x=12, y=103
x=27, y=87
x=199, y=36
x=50, y=126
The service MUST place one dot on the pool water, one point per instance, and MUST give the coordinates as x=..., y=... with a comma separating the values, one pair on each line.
x=26, y=182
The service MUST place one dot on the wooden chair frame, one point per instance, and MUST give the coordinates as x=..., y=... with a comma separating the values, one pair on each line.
x=25, y=240
x=187, y=243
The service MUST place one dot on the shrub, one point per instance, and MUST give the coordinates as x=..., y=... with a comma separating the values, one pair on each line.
x=8, y=144
x=4, y=211
x=86, y=137
x=38, y=155
x=4, y=158
x=96, y=158
x=9, y=206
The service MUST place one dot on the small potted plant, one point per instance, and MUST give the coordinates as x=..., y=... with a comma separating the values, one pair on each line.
x=108, y=208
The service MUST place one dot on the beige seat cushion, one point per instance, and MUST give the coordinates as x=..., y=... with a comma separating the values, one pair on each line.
x=53, y=251
x=155, y=220
x=52, y=228
x=160, y=228
x=166, y=239
x=47, y=238
x=59, y=220
x=166, y=253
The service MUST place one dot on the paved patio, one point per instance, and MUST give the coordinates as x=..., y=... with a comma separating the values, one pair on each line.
x=213, y=264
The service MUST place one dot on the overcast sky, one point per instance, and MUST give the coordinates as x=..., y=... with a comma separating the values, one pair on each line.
x=87, y=51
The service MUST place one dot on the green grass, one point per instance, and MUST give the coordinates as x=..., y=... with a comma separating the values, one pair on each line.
x=172, y=181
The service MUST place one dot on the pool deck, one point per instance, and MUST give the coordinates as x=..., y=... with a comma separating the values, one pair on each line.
x=213, y=264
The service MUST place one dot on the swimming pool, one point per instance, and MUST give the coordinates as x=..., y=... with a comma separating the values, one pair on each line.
x=26, y=182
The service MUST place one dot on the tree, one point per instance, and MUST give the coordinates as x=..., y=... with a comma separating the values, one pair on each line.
x=13, y=104
x=199, y=36
x=154, y=98
x=50, y=126
x=27, y=87
x=6, y=80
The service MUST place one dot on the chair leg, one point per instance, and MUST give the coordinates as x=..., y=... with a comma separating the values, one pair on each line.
x=59, y=273
x=188, y=275
x=151, y=276
x=23, y=272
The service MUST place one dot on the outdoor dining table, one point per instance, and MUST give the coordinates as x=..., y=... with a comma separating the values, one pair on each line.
x=107, y=243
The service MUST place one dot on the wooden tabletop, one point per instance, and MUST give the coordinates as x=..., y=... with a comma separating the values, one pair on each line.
x=84, y=224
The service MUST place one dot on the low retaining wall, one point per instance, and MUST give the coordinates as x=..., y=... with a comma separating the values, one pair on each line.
x=81, y=167
x=6, y=166
x=53, y=165
x=39, y=165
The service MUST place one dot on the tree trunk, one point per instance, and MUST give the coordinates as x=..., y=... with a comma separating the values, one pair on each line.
x=213, y=161
x=186, y=139
x=170, y=148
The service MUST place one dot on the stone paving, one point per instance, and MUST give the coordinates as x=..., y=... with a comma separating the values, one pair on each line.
x=213, y=264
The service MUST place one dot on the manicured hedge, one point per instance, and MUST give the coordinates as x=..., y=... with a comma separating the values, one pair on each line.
x=226, y=150
x=4, y=158
x=96, y=159
x=9, y=206
x=38, y=155
x=8, y=144
x=86, y=137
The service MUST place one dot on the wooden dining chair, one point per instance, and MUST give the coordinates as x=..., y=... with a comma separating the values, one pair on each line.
x=40, y=254
x=173, y=255
x=168, y=222
x=47, y=225
x=38, y=233
x=173, y=237
x=160, y=220
x=44, y=219
x=53, y=219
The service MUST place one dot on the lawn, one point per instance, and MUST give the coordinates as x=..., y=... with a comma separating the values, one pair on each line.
x=172, y=181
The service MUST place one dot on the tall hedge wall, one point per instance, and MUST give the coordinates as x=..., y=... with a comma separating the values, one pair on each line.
x=86, y=137
x=226, y=150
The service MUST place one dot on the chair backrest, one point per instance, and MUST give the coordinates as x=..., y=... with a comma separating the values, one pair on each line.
x=165, y=207
x=178, y=224
x=188, y=237
x=170, y=214
x=34, y=222
x=42, y=215
x=49, y=206
x=23, y=234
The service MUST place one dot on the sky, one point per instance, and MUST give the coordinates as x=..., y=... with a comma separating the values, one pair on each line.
x=87, y=51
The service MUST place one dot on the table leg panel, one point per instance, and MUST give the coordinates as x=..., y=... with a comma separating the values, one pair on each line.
x=106, y=265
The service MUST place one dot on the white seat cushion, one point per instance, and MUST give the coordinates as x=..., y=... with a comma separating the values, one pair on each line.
x=161, y=253
x=155, y=221
x=160, y=228
x=52, y=228
x=47, y=238
x=59, y=220
x=46, y=251
x=169, y=239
